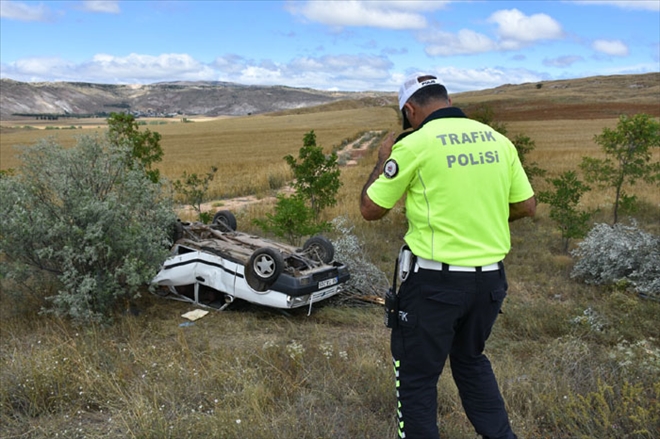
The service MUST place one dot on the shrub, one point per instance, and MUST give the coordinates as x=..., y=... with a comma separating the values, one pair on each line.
x=276, y=181
x=564, y=201
x=193, y=189
x=98, y=225
x=609, y=412
x=620, y=254
x=317, y=182
x=292, y=220
x=366, y=279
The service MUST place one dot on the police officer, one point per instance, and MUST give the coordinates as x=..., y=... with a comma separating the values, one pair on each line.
x=463, y=183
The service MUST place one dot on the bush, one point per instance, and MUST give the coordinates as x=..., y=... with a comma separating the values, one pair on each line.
x=366, y=279
x=193, y=189
x=609, y=411
x=292, y=220
x=98, y=225
x=564, y=201
x=620, y=254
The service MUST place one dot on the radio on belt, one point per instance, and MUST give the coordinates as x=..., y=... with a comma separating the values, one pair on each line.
x=402, y=267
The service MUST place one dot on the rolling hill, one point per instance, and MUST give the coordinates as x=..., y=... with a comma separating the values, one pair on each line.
x=169, y=98
x=582, y=98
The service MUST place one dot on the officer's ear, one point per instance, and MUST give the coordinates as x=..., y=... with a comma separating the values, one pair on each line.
x=410, y=111
x=406, y=110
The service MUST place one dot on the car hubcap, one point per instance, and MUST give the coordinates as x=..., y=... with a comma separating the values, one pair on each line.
x=264, y=266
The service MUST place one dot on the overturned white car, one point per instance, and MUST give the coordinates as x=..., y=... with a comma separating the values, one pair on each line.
x=212, y=265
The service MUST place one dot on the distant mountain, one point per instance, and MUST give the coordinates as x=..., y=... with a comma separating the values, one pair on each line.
x=187, y=98
x=590, y=97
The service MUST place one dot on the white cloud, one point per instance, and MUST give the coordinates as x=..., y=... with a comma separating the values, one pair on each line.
x=643, y=5
x=371, y=65
x=103, y=68
x=103, y=6
x=458, y=80
x=611, y=47
x=260, y=75
x=464, y=42
x=229, y=64
x=342, y=72
x=41, y=67
x=381, y=14
x=513, y=25
x=634, y=69
x=562, y=61
x=23, y=12
x=514, y=31
x=141, y=68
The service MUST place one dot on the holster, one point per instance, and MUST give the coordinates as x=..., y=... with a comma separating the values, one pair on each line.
x=402, y=267
x=392, y=305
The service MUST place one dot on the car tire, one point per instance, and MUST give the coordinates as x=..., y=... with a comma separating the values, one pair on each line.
x=320, y=249
x=263, y=268
x=226, y=220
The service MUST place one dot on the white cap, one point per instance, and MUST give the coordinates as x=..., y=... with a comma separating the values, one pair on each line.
x=412, y=84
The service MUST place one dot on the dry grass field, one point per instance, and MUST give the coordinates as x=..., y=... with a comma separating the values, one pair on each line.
x=248, y=151
x=574, y=361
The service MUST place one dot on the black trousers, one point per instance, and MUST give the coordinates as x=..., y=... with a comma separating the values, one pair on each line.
x=448, y=314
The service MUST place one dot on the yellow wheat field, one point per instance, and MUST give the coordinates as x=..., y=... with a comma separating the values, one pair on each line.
x=248, y=151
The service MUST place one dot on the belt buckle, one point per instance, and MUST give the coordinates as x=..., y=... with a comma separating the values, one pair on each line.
x=462, y=269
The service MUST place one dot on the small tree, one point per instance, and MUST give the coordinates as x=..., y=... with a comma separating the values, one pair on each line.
x=144, y=145
x=563, y=203
x=629, y=153
x=316, y=175
x=292, y=220
x=193, y=189
x=98, y=227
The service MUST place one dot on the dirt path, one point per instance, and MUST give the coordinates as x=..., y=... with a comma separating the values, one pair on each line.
x=349, y=156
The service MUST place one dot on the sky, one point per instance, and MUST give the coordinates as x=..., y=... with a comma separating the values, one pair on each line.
x=346, y=45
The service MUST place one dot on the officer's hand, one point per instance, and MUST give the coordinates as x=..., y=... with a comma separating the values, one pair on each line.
x=385, y=149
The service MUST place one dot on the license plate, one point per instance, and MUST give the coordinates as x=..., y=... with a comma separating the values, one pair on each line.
x=321, y=294
x=327, y=282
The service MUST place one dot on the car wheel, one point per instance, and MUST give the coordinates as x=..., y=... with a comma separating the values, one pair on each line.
x=319, y=248
x=226, y=220
x=263, y=268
